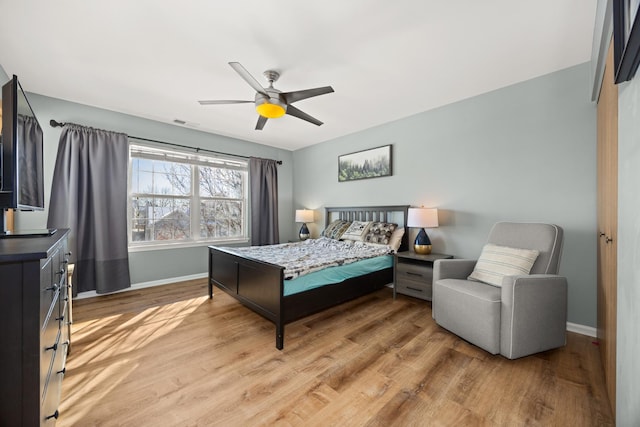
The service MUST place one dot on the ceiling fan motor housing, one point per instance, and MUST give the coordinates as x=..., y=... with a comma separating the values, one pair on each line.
x=272, y=106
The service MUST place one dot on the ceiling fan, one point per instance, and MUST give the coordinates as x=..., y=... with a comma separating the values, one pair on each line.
x=270, y=102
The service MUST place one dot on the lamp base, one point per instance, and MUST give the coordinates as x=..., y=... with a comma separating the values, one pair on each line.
x=304, y=232
x=422, y=244
x=422, y=249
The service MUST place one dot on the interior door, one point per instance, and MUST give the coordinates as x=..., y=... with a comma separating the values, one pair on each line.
x=608, y=224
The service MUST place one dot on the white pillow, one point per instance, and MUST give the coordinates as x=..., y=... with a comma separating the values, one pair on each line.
x=396, y=238
x=495, y=262
x=356, y=231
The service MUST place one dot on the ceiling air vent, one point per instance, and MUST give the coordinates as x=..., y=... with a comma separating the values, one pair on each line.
x=185, y=123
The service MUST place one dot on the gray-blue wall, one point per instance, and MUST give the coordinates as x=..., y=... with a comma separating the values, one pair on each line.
x=162, y=264
x=522, y=153
x=628, y=316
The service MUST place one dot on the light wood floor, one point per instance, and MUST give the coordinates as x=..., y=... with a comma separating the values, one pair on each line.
x=169, y=356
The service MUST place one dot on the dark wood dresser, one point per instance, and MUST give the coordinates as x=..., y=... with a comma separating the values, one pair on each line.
x=34, y=293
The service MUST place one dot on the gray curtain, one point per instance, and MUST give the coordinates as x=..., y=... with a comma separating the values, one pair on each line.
x=89, y=196
x=263, y=175
x=30, y=161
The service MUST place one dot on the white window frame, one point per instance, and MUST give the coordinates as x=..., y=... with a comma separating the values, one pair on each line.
x=137, y=150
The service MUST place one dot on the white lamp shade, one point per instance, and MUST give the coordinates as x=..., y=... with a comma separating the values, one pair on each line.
x=304, y=215
x=422, y=217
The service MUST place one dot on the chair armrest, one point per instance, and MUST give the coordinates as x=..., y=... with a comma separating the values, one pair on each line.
x=452, y=268
x=533, y=314
x=513, y=286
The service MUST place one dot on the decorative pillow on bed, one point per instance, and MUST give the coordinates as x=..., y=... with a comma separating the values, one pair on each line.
x=356, y=231
x=495, y=262
x=336, y=229
x=380, y=232
x=396, y=238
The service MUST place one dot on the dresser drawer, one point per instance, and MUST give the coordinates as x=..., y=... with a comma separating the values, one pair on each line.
x=53, y=386
x=49, y=342
x=64, y=324
x=47, y=288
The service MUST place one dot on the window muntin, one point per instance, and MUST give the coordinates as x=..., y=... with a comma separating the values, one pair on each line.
x=177, y=198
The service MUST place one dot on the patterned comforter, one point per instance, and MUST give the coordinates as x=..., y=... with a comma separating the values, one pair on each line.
x=311, y=255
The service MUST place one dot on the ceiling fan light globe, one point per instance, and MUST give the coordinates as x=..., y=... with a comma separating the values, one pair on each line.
x=270, y=111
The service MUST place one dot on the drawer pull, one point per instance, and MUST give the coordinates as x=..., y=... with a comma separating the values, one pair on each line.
x=68, y=253
x=54, y=415
x=63, y=371
x=53, y=347
x=415, y=289
x=411, y=273
x=53, y=287
x=60, y=319
x=61, y=272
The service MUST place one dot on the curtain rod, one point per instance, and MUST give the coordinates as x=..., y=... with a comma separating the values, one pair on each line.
x=56, y=124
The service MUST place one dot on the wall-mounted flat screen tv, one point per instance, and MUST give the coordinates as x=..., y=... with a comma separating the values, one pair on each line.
x=22, y=185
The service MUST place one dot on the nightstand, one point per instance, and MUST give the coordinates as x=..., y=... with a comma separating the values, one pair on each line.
x=413, y=274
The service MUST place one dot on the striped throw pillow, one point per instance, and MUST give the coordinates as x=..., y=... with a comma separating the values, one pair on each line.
x=495, y=262
x=336, y=229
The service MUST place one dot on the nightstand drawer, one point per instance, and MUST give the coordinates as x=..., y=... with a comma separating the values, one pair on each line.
x=414, y=288
x=414, y=272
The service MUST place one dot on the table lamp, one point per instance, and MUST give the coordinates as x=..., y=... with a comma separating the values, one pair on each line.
x=422, y=218
x=304, y=216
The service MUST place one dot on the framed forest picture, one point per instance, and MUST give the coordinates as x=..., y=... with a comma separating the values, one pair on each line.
x=371, y=163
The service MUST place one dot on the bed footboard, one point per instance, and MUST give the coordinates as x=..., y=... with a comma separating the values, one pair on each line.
x=256, y=284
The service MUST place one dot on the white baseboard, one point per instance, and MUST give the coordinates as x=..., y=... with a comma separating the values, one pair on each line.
x=142, y=285
x=582, y=329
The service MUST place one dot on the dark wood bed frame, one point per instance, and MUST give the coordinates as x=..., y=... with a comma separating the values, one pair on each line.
x=259, y=285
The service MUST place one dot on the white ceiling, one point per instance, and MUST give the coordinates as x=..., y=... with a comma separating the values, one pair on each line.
x=385, y=59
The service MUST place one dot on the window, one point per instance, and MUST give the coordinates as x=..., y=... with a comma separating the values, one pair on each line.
x=181, y=198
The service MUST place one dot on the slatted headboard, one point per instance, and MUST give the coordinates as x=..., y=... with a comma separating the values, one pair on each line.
x=396, y=214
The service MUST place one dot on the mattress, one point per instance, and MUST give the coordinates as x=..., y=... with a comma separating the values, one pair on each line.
x=336, y=274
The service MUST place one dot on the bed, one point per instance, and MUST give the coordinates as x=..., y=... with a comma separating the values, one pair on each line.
x=260, y=285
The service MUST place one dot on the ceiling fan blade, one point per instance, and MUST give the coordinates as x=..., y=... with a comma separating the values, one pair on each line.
x=248, y=77
x=224, y=101
x=297, y=95
x=261, y=122
x=293, y=111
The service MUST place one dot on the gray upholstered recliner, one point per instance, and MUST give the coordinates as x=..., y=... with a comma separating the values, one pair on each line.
x=525, y=315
